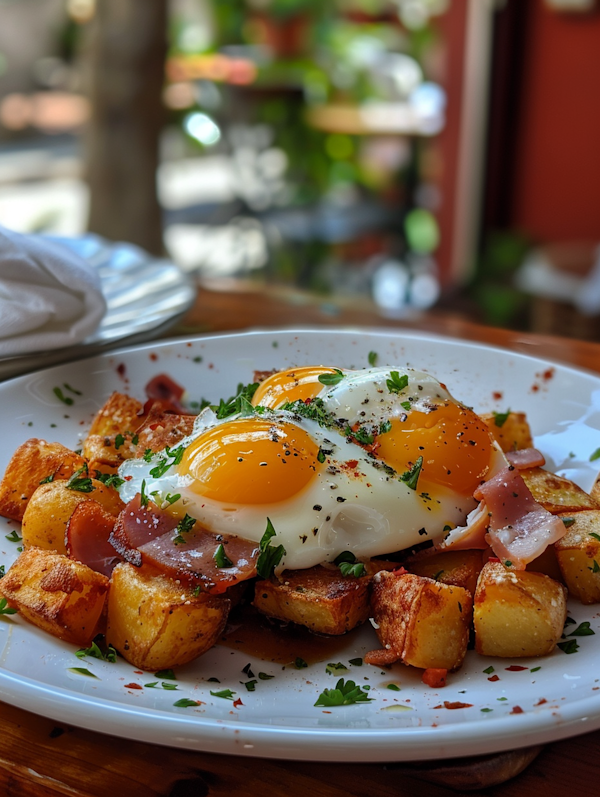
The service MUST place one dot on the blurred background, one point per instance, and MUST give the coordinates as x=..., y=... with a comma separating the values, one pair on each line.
x=413, y=154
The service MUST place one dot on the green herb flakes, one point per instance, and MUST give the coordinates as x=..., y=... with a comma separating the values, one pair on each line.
x=331, y=379
x=346, y=693
x=269, y=556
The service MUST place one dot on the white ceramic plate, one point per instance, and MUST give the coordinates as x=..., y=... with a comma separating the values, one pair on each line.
x=556, y=696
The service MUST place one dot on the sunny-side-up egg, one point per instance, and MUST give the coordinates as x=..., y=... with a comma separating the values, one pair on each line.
x=371, y=461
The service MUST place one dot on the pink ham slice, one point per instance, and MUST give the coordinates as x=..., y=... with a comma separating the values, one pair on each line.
x=520, y=529
x=87, y=537
x=525, y=458
x=472, y=535
x=146, y=535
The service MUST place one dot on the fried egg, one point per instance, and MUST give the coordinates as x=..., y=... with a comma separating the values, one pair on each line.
x=370, y=462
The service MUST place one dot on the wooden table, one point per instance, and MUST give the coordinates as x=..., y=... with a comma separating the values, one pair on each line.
x=44, y=758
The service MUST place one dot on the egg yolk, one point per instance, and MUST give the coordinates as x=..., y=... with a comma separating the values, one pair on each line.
x=292, y=385
x=250, y=461
x=454, y=442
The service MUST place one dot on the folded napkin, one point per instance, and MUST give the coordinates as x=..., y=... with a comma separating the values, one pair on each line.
x=49, y=297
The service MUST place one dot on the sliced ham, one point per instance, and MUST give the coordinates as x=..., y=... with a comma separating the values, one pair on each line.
x=87, y=537
x=472, y=535
x=525, y=458
x=137, y=525
x=147, y=535
x=193, y=561
x=520, y=529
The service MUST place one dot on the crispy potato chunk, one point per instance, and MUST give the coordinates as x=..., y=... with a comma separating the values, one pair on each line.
x=318, y=598
x=513, y=434
x=51, y=506
x=32, y=462
x=517, y=613
x=56, y=594
x=421, y=622
x=578, y=555
x=555, y=493
x=119, y=416
x=457, y=568
x=547, y=563
x=155, y=623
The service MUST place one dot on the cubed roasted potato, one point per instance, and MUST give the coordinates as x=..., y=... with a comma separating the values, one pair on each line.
x=419, y=621
x=31, y=463
x=319, y=598
x=161, y=429
x=156, y=623
x=511, y=433
x=54, y=593
x=457, y=568
x=578, y=554
x=555, y=493
x=51, y=506
x=547, y=563
x=109, y=441
x=517, y=613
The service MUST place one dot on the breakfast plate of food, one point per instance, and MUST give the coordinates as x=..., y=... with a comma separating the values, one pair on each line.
x=316, y=544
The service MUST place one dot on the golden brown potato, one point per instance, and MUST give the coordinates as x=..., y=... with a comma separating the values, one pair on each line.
x=51, y=506
x=517, y=613
x=547, y=563
x=162, y=429
x=578, y=554
x=457, y=568
x=156, y=623
x=31, y=463
x=319, y=598
x=420, y=621
x=62, y=597
x=514, y=433
x=103, y=447
x=555, y=493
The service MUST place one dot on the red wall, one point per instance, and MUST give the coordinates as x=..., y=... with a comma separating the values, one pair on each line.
x=556, y=188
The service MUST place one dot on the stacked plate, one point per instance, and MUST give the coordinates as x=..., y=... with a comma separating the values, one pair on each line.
x=145, y=295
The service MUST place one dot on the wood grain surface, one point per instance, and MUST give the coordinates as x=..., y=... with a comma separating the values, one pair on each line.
x=44, y=758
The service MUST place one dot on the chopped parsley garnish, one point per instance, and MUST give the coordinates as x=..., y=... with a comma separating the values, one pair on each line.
x=411, y=477
x=535, y=669
x=240, y=403
x=185, y=525
x=356, y=662
x=363, y=436
x=221, y=557
x=489, y=670
x=174, y=457
x=226, y=694
x=4, y=609
x=82, y=671
x=396, y=383
x=48, y=479
x=335, y=669
x=570, y=646
x=346, y=693
x=13, y=536
x=568, y=521
x=393, y=687
x=595, y=455
x=500, y=418
x=372, y=358
x=97, y=653
x=169, y=675
x=406, y=406
x=269, y=557
x=164, y=685
x=109, y=479
x=595, y=568
x=594, y=535
x=148, y=454
x=61, y=396
x=331, y=379
x=299, y=663
x=349, y=566
x=385, y=427
x=143, y=496
x=314, y=410
x=583, y=629
x=185, y=702
x=250, y=685
x=486, y=710
x=72, y=389
x=2, y=571
x=438, y=574
x=119, y=441
x=265, y=676
x=82, y=484
x=170, y=499
x=321, y=456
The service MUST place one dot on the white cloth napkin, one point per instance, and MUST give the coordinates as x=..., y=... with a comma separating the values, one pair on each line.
x=49, y=297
